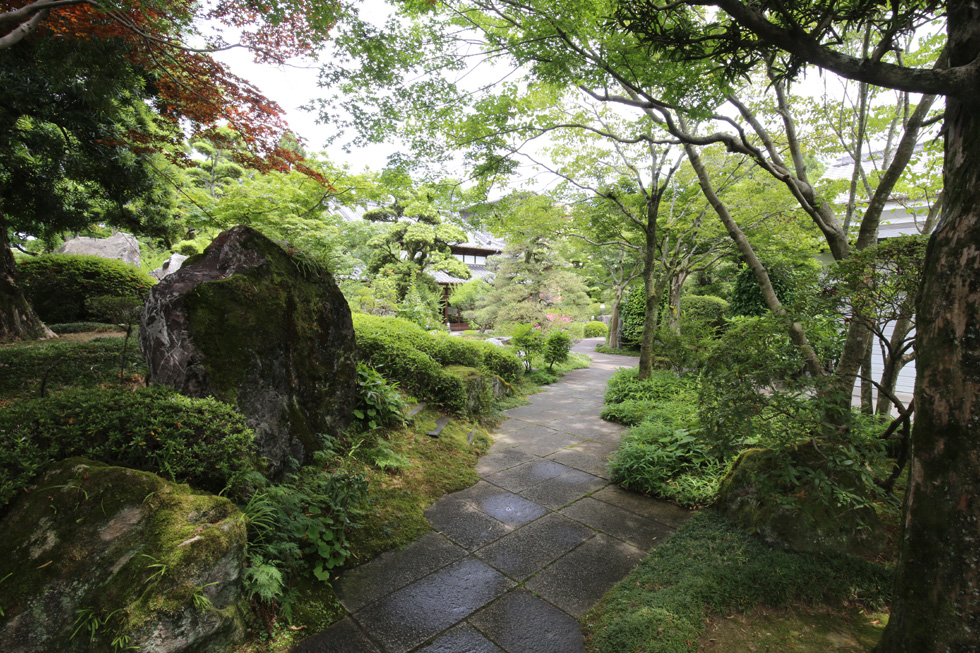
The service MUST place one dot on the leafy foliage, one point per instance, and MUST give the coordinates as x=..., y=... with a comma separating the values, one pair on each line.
x=556, y=348
x=302, y=522
x=747, y=299
x=198, y=441
x=527, y=342
x=705, y=309
x=709, y=568
x=60, y=285
x=595, y=329
x=57, y=365
x=378, y=401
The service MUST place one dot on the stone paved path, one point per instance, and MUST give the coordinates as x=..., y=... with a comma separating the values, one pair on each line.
x=515, y=559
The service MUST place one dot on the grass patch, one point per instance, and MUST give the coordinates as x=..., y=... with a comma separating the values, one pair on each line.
x=543, y=376
x=85, y=327
x=603, y=349
x=709, y=568
x=58, y=364
x=801, y=628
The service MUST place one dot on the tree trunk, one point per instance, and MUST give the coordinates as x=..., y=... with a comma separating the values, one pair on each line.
x=674, y=300
x=896, y=359
x=650, y=316
x=17, y=319
x=612, y=340
x=867, y=400
x=936, y=604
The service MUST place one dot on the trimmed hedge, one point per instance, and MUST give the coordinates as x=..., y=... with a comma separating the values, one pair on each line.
x=380, y=339
x=706, y=309
x=202, y=442
x=595, y=329
x=58, y=285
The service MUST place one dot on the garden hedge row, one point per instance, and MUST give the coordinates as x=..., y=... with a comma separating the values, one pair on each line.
x=405, y=353
x=58, y=285
x=199, y=441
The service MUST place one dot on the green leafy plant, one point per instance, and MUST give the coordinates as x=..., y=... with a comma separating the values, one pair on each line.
x=123, y=311
x=527, y=342
x=199, y=441
x=557, y=346
x=595, y=329
x=378, y=401
x=58, y=285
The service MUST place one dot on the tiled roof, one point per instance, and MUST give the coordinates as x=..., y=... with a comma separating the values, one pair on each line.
x=478, y=272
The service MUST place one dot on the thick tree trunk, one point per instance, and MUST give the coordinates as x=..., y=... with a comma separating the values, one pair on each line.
x=936, y=605
x=674, y=300
x=612, y=340
x=17, y=319
x=867, y=399
x=650, y=316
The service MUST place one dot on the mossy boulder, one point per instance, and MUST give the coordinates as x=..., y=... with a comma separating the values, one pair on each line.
x=105, y=558
x=263, y=330
x=480, y=388
x=773, y=493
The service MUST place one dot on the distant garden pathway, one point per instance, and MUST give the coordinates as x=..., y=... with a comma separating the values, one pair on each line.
x=515, y=559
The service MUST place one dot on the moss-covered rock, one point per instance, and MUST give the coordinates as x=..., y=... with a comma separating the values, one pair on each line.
x=479, y=387
x=263, y=330
x=103, y=558
x=773, y=493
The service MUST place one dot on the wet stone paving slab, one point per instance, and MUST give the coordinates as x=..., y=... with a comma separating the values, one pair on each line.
x=516, y=559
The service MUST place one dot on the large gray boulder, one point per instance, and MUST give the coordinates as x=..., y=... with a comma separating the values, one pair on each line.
x=120, y=246
x=99, y=556
x=255, y=327
x=169, y=266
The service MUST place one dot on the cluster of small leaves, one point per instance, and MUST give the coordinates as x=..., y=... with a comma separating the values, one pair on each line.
x=747, y=299
x=595, y=329
x=527, y=342
x=379, y=404
x=60, y=285
x=404, y=353
x=300, y=523
x=198, y=441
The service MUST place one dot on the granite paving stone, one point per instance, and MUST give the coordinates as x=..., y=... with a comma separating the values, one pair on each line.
x=504, y=506
x=463, y=524
x=662, y=511
x=527, y=475
x=582, y=461
x=523, y=623
x=623, y=524
x=501, y=460
x=395, y=569
x=342, y=637
x=460, y=639
x=562, y=490
x=577, y=580
x=529, y=549
x=403, y=620
x=588, y=426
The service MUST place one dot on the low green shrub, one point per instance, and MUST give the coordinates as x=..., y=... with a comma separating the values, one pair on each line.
x=557, y=346
x=198, y=441
x=26, y=367
x=502, y=362
x=83, y=327
x=709, y=568
x=595, y=329
x=576, y=330
x=303, y=521
x=378, y=401
x=58, y=285
x=661, y=385
x=527, y=342
x=705, y=309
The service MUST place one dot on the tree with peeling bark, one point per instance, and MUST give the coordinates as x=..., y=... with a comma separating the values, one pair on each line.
x=936, y=605
x=156, y=56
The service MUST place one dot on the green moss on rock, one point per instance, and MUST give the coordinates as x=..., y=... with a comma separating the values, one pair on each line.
x=257, y=327
x=100, y=554
x=790, y=509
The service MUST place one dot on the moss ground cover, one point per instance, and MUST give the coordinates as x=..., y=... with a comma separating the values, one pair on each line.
x=708, y=569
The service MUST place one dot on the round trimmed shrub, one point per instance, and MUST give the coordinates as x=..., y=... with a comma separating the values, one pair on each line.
x=747, y=299
x=595, y=329
x=705, y=309
x=203, y=442
x=59, y=285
